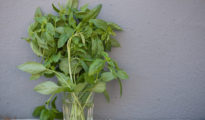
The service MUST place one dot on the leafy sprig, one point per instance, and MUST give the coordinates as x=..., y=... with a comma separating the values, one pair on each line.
x=74, y=47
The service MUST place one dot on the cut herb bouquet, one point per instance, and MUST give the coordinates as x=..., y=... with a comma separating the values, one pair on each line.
x=74, y=47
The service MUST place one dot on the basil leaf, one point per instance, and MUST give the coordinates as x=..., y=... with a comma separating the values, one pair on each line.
x=72, y=4
x=84, y=7
x=63, y=79
x=79, y=87
x=35, y=48
x=46, y=88
x=41, y=42
x=32, y=67
x=89, y=79
x=114, y=26
x=55, y=8
x=38, y=12
x=114, y=42
x=93, y=13
x=99, y=23
x=44, y=114
x=122, y=74
x=99, y=87
x=60, y=30
x=107, y=76
x=106, y=95
x=50, y=28
x=72, y=21
x=64, y=37
x=37, y=111
x=64, y=66
x=53, y=103
x=96, y=66
x=35, y=76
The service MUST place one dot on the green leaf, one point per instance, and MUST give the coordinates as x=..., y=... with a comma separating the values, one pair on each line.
x=38, y=12
x=99, y=23
x=97, y=46
x=96, y=66
x=100, y=47
x=72, y=21
x=35, y=48
x=64, y=37
x=93, y=13
x=55, y=8
x=64, y=80
x=32, y=67
x=50, y=28
x=99, y=87
x=64, y=66
x=79, y=87
x=84, y=7
x=122, y=74
x=37, y=111
x=83, y=38
x=84, y=65
x=59, y=115
x=120, y=83
x=107, y=76
x=94, y=46
x=106, y=95
x=41, y=20
x=60, y=30
x=89, y=79
x=53, y=103
x=44, y=114
x=114, y=26
x=41, y=42
x=35, y=76
x=114, y=42
x=46, y=88
x=72, y=4
x=48, y=74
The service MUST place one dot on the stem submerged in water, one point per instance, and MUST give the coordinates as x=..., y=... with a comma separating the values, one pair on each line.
x=75, y=109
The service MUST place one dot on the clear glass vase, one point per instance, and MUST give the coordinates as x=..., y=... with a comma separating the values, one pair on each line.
x=78, y=105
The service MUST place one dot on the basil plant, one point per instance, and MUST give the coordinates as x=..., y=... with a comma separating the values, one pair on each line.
x=73, y=46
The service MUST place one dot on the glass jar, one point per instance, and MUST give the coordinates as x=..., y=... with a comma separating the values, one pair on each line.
x=78, y=105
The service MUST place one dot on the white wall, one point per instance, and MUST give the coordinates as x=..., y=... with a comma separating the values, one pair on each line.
x=163, y=47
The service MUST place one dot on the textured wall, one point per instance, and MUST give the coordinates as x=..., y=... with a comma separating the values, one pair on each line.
x=163, y=46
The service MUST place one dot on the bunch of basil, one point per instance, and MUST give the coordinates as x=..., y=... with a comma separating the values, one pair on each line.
x=73, y=46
